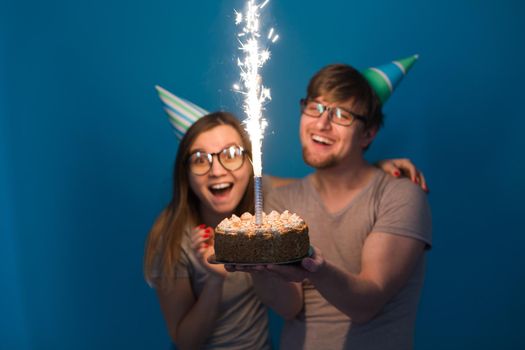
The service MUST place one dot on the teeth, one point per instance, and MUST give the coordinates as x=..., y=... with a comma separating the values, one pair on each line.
x=220, y=186
x=321, y=139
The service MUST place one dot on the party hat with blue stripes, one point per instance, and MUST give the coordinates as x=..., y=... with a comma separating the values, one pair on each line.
x=385, y=78
x=182, y=113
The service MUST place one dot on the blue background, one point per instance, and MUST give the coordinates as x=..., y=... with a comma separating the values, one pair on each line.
x=86, y=152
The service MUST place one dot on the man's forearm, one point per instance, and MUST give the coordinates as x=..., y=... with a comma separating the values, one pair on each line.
x=358, y=298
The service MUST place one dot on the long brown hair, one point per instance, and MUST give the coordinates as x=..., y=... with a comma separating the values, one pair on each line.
x=163, y=245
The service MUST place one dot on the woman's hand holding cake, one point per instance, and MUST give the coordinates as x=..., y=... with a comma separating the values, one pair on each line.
x=202, y=244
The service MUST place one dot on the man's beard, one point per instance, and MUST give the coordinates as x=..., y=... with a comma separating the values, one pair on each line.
x=327, y=163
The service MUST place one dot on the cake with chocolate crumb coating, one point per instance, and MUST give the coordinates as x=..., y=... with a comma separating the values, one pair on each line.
x=281, y=237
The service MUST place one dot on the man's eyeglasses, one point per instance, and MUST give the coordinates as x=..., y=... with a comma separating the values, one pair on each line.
x=336, y=115
x=231, y=158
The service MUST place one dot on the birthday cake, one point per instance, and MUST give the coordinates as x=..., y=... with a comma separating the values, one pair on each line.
x=280, y=238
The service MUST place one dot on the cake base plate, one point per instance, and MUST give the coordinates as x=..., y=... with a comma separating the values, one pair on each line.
x=212, y=260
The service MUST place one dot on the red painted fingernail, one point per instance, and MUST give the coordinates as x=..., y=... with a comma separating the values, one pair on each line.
x=202, y=226
x=208, y=230
x=206, y=235
x=396, y=173
x=206, y=245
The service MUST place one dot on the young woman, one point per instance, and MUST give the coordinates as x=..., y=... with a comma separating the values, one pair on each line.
x=203, y=305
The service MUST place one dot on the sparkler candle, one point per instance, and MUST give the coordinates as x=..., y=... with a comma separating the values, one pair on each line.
x=255, y=94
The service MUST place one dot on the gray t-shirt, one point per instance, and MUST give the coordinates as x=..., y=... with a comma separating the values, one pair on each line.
x=243, y=319
x=386, y=204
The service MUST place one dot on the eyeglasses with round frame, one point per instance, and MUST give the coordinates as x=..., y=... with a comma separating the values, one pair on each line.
x=336, y=115
x=231, y=158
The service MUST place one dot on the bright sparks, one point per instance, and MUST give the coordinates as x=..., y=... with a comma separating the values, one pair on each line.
x=250, y=85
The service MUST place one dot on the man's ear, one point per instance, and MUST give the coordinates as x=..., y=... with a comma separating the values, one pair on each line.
x=368, y=136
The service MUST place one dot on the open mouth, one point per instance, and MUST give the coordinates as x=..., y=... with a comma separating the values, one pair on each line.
x=322, y=140
x=221, y=189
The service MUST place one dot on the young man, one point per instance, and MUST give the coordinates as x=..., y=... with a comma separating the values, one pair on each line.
x=360, y=288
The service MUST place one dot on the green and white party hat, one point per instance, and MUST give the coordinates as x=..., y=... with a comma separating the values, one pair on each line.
x=384, y=79
x=182, y=113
